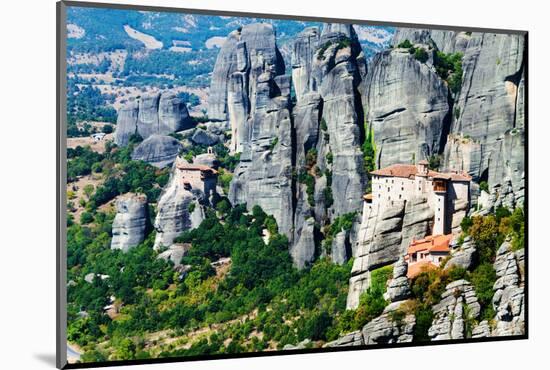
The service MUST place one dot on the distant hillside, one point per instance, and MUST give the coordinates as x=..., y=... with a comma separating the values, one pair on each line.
x=182, y=46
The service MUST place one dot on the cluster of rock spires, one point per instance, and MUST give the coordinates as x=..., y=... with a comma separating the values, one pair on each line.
x=251, y=92
x=338, y=97
x=156, y=113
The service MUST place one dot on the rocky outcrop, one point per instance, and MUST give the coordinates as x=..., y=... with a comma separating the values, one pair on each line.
x=507, y=167
x=306, y=343
x=406, y=126
x=337, y=74
x=455, y=314
x=509, y=298
x=384, y=235
x=305, y=47
x=393, y=326
x=157, y=113
x=463, y=256
x=245, y=66
x=205, y=138
x=158, y=150
x=352, y=339
x=180, y=206
x=175, y=253
x=303, y=251
x=130, y=222
x=398, y=288
x=328, y=68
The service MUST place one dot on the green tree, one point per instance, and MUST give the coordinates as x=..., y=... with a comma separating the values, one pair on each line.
x=88, y=190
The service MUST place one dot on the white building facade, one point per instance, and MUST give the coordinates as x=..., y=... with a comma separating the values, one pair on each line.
x=402, y=182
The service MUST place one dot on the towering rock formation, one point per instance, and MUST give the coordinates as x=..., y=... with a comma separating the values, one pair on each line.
x=305, y=46
x=152, y=114
x=249, y=89
x=328, y=68
x=243, y=79
x=406, y=125
x=130, y=221
x=158, y=150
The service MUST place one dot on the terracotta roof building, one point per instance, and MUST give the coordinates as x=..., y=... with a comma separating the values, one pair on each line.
x=443, y=191
x=427, y=253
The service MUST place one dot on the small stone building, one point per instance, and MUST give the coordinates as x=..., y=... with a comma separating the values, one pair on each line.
x=197, y=176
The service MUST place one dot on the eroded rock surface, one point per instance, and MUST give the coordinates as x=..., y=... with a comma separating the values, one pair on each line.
x=455, y=314
x=130, y=221
x=158, y=150
x=157, y=113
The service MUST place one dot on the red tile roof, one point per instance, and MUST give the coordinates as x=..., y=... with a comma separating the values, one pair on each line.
x=196, y=167
x=432, y=243
x=410, y=170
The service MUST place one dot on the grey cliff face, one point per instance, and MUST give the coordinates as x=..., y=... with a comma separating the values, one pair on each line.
x=328, y=67
x=458, y=307
x=509, y=298
x=247, y=61
x=488, y=112
x=158, y=150
x=383, y=237
x=305, y=46
x=152, y=114
x=130, y=221
x=407, y=126
x=249, y=90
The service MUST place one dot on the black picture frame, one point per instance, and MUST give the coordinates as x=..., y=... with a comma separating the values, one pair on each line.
x=61, y=173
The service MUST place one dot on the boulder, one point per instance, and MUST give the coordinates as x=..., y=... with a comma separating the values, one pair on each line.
x=157, y=150
x=175, y=253
x=352, y=339
x=464, y=256
x=205, y=138
x=303, y=252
